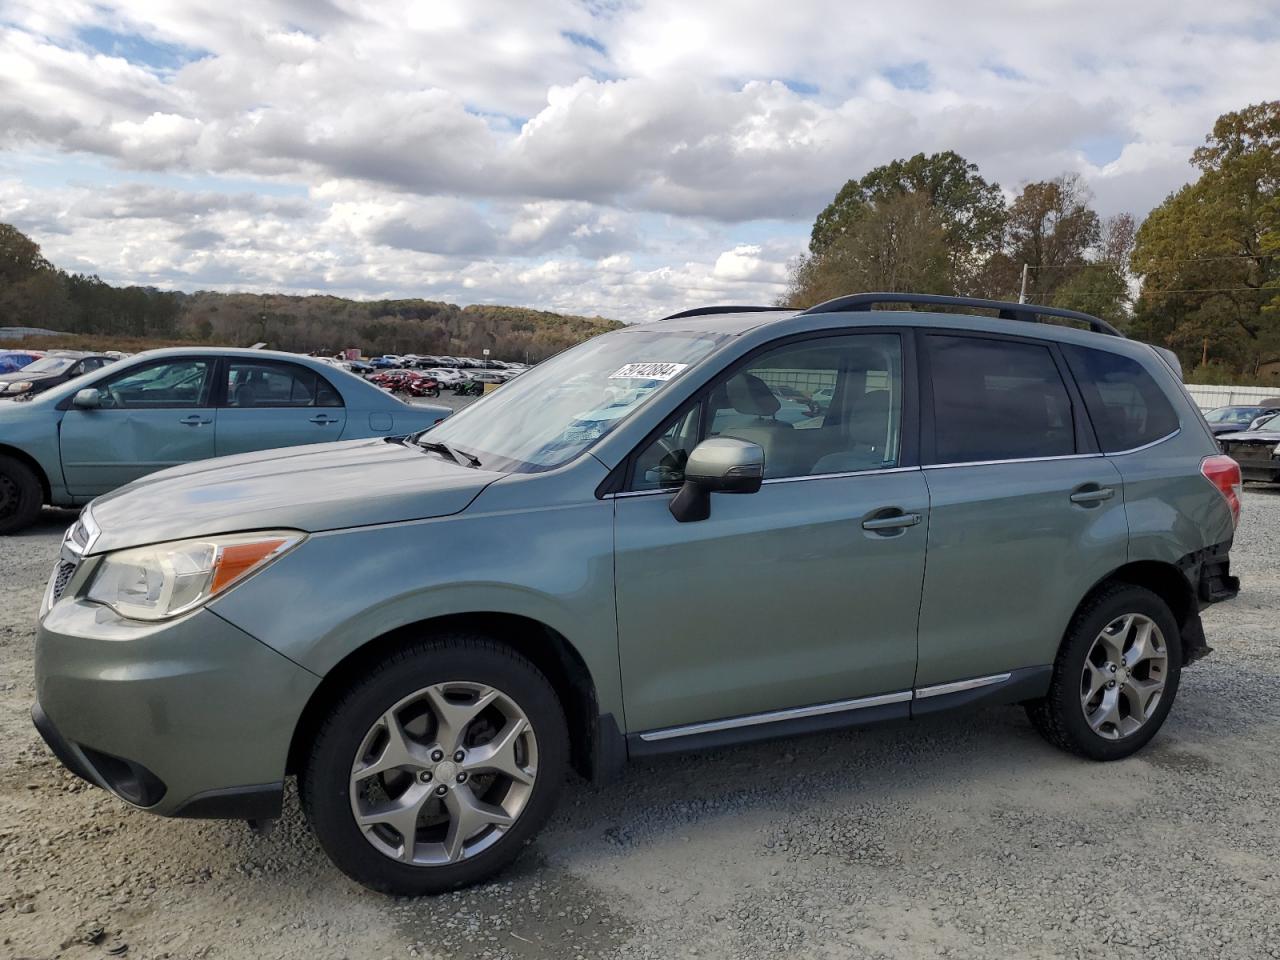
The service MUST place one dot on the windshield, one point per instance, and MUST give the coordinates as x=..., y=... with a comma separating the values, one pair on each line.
x=1234, y=414
x=549, y=415
x=49, y=365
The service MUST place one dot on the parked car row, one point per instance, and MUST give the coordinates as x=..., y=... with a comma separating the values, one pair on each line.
x=428, y=361
x=462, y=374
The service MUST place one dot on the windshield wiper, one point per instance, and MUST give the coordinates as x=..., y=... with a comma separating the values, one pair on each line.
x=456, y=456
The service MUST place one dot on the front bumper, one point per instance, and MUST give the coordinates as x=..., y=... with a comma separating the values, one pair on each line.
x=192, y=717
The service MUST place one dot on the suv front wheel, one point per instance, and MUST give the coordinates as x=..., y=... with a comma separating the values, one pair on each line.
x=1115, y=677
x=434, y=769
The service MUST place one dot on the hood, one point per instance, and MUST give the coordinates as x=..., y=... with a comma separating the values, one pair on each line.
x=324, y=486
x=17, y=375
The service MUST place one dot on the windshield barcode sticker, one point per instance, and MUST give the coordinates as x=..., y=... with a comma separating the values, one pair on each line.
x=648, y=371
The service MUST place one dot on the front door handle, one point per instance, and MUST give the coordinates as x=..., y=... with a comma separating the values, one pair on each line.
x=195, y=421
x=1089, y=495
x=895, y=522
x=322, y=419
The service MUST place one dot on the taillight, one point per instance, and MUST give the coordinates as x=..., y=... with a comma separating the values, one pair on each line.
x=1224, y=473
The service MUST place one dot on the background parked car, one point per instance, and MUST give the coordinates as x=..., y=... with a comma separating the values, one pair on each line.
x=1235, y=418
x=11, y=360
x=447, y=376
x=167, y=407
x=1257, y=449
x=49, y=371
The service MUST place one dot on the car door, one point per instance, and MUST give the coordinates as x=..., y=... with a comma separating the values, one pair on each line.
x=801, y=597
x=274, y=403
x=1026, y=516
x=152, y=415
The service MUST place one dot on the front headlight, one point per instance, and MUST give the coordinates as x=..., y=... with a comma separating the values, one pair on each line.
x=18, y=386
x=169, y=579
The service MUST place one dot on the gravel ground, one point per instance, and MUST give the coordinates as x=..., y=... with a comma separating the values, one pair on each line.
x=937, y=839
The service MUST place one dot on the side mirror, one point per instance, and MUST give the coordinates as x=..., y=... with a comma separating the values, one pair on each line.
x=718, y=465
x=87, y=399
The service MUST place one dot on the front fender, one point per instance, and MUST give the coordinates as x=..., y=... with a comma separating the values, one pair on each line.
x=342, y=589
x=30, y=430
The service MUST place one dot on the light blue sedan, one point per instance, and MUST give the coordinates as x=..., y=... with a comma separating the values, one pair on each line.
x=167, y=407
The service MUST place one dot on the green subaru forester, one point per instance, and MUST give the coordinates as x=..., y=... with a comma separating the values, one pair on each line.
x=732, y=524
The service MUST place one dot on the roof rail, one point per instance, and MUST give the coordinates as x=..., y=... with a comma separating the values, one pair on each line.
x=1007, y=310
x=723, y=308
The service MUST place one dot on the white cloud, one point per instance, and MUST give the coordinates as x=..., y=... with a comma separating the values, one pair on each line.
x=620, y=157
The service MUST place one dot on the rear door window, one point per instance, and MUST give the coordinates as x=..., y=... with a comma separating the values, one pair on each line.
x=1127, y=407
x=265, y=384
x=997, y=400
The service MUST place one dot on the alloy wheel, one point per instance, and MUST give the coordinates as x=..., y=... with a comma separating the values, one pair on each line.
x=444, y=773
x=1124, y=676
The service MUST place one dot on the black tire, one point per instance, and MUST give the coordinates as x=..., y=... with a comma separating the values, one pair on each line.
x=20, y=495
x=1060, y=717
x=455, y=657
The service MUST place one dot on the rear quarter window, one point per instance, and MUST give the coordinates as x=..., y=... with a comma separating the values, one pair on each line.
x=1126, y=405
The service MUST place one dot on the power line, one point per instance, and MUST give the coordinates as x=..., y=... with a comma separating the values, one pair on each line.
x=1234, y=256
x=1269, y=291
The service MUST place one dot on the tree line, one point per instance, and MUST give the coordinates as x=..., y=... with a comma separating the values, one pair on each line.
x=1201, y=274
x=35, y=293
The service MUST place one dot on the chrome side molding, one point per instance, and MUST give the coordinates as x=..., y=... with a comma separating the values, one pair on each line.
x=821, y=709
x=773, y=716
x=959, y=686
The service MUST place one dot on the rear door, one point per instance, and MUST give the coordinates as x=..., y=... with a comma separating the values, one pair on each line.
x=274, y=403
x=151, y=416
x=1026, y=515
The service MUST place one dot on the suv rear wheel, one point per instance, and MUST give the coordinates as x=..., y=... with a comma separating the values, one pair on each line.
x=1115, y=678
x=434, y=770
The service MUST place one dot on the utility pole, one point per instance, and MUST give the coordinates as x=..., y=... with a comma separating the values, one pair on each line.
x=1022, y=297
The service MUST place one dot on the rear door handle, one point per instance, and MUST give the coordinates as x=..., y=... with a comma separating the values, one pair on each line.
x=896, y=522
x=1092, y=494
x=322, y=419
x=195, y=421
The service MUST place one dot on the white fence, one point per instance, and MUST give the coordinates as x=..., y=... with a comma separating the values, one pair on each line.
x=1207, y=397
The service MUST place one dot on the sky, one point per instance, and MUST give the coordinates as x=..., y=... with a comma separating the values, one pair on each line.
x=626, y=158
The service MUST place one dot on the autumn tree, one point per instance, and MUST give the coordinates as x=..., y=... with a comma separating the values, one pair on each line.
x=1209, y=256
x=896, y=243
x=969, y=209
x=1052, y=229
